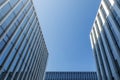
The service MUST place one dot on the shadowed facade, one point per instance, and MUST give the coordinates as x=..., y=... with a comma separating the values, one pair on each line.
x=105, y=40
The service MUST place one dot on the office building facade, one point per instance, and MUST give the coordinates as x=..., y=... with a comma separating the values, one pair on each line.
x=105, y=40
x=23, y=53
x=71, y=76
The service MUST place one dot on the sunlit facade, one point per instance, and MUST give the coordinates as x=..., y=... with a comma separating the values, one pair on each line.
x=23, y=53
x=71, y=76
x=105, y=40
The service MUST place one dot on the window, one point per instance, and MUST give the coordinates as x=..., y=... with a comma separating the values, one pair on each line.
x=21, y=61
x=1, y=31
x=26, y=58
x=16, y=23
x=19, y=42
x=10, y=75
x=118, y=19
x=11, y=31
x=13, y=2
x=117, y=2
x=6, y=51
x=4, y=10
x=32, y=18
x=2, y=75
x=115, y=17
x=27, y=7
x=8, y=21
x=0, y=16
x=18, y=8
x=24, y=1
x=29, y=14
x=103, y=11
x=28, y=34
x=99, y=19
x=26, y=29
x=21, y=17
x=22, y=47
x=113, y=12
x=118, y=67
x=110, y=25
x=24, y=23
x=2, y=44
x=2, y=1
x=9, y=59
x=14, y=62
x=16, y=36
x=6, y=38
x=107, y=3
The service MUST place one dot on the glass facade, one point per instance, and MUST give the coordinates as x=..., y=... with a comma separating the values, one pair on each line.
x=23, y=53
x=71, y=76
x=105, y=40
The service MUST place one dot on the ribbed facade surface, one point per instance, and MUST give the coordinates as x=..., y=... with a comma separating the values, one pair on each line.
x=71, y=76
x=23, y=53
x=105, y=40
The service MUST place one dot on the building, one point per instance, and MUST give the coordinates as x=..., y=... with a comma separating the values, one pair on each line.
x=23, y=53
x=71, y=76
x=105, y=40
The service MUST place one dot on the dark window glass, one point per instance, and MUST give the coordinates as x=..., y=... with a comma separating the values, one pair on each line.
x=115, y=17
x=10, y=75
x=111, y=27
x=117, y=65
x=107, y=3
x=4, y=10
x=118, y=19
x=100, y=20
x=103, y=11
x=113, y=11
x=116, y=38
x=2, y=44
x=0, y=16
x=117, y=2
x=1, y=30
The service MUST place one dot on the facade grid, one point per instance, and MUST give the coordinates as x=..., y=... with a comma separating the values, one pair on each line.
x=71, y=76
x=105, y=40
x=23, y=53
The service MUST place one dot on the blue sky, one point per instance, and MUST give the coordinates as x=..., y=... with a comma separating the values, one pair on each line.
x=66, y=25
